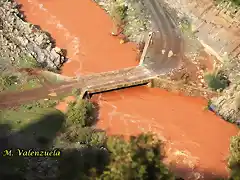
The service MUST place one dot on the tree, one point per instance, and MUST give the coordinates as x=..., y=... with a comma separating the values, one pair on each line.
x=234, y=159
x=118, y=13
x=80, y=112
x=140, y=158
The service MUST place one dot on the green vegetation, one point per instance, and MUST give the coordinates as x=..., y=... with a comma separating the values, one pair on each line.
x=217, y=80
x=234, y=159
x=76, y=92
x=21, y=116
x=81, y=113
x=12, y=79
x=234, y=2
x=140, y=158
x=130, y=17
x=28, y=62
x=119, y=12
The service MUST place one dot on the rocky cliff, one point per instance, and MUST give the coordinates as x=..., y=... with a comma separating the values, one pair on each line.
x=19, y=38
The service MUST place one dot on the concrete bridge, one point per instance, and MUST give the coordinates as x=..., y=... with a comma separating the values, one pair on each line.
x=115, y=80
x=155, y=61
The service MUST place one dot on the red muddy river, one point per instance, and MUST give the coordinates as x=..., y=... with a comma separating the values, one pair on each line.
x=197, y=140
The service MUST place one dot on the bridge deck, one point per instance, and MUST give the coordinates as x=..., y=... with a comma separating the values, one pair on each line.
x=118, y=79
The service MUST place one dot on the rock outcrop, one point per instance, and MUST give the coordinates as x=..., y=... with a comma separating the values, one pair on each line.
x=228, y=105
x=19, y=38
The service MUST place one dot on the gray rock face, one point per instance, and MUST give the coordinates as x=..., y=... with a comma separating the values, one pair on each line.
x=228, y=105
x=18, y=38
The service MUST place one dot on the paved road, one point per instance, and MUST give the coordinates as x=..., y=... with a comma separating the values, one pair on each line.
x=166, y=38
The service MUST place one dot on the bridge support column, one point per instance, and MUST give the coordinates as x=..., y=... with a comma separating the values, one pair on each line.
x=82, y=94
x=150, y=84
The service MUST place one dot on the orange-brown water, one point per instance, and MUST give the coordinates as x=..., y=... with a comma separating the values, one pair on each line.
x=196, y=139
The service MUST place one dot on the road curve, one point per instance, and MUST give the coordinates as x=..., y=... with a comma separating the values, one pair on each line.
x=166, y=37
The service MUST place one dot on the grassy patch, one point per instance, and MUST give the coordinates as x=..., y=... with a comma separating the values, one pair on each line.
x=11, y=79
x=28, y=62
x=234, y=159
x=28, y=113
x=235, y=3
x=23, y=84
x=216, y=80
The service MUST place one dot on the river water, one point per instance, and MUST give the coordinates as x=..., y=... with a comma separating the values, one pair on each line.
x=196, y=139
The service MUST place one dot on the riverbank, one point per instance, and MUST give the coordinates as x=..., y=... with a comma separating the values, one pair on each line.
x=180, y=120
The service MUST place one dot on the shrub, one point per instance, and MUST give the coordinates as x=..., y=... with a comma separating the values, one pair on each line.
x=28, y=62
x=76, y=91
x=7, y=80
x=234, y=159
x=80, y=112
x=119, y=13
x=85, y=136
x=141, y=158
x=217, y=80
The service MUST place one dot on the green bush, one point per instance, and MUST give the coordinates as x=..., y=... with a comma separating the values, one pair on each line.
x=76, y=91
x=81, y=112
x=82, y=135
x=121, y=10
x=234, y=159
x=141, y=158
x=217, y=80
x=28, y=62
x=7, y=80
x=119, y=13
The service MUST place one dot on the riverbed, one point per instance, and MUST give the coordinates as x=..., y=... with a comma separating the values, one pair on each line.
x=196, y=139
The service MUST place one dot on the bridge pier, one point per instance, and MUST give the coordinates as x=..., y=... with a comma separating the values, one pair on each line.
x=85, y=94
x=82, y=94
x=150, y=84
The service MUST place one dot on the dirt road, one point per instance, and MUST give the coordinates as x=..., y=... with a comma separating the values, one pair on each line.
x=167, y=49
